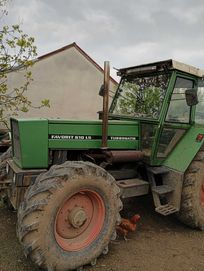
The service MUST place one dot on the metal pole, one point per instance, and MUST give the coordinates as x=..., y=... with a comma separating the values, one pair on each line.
x=105, y=105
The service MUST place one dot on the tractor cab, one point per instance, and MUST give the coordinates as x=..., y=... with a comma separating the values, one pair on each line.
x=162, y=96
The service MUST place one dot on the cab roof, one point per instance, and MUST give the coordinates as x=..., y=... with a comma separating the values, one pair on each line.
x=169, y=64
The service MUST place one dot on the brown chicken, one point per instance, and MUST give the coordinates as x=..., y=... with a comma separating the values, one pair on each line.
x=127, y=225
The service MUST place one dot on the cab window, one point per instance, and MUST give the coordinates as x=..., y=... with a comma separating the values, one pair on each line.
x=178, y=110
x=199, y=116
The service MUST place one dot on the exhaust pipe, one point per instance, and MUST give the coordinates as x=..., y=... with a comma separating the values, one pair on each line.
x=105, y=105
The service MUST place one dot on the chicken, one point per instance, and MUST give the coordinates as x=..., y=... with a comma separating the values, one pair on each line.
x=122, y=232
x=127, y=225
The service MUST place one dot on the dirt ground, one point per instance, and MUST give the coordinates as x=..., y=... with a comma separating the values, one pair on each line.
x=159, y=244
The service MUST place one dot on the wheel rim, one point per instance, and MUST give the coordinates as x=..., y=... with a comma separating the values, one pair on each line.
x=79, y=220
x=202, y=195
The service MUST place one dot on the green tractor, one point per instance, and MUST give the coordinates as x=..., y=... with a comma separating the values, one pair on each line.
x=67, y=179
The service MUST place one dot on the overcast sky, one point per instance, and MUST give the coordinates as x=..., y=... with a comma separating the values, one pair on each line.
x=126, y=33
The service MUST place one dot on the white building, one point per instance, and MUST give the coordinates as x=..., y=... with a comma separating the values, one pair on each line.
x=70, y=79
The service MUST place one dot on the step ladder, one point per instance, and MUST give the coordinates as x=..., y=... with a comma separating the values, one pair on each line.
x=161, y=191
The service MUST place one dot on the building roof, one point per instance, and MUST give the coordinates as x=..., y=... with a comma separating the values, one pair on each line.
x=74, y=45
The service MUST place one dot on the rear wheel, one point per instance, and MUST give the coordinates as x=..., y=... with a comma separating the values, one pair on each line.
x=3, y=174
x=3, y=158
x=69, y=216
x=192, y=201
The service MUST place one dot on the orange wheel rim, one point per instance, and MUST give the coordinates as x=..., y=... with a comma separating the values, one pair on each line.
x=79, y=220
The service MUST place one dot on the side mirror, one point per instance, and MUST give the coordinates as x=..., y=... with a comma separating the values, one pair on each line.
x=191, y=96
x=101, y=90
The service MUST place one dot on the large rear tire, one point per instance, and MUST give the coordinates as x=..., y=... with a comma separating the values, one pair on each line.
x=69, y=216
x=192, y=201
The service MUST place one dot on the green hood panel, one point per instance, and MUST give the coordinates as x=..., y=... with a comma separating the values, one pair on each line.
x=33, y=138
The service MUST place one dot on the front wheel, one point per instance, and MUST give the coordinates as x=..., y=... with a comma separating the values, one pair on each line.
x=69, y=216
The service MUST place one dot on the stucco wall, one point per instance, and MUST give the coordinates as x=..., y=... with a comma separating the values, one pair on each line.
x=71, y=83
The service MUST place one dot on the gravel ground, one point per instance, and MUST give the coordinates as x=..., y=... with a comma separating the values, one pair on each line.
x=159, y=244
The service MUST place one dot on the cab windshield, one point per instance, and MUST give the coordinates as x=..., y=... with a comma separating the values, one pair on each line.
x=140, y=96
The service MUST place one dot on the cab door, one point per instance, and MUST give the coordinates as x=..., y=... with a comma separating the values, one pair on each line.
x=177, y=118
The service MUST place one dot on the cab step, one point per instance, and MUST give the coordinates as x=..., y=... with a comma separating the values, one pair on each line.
x=123, y=174
x=133, y=187
x=158, y=170
x=166, y=209
x=162, y=189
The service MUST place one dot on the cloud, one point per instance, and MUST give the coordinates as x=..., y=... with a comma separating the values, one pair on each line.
x=125, y=32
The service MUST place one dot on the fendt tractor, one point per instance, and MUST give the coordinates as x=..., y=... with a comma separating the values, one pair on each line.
x=67, y=179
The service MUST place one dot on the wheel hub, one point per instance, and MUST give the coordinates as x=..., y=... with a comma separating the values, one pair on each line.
x=79, y=220
x=77, y=217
